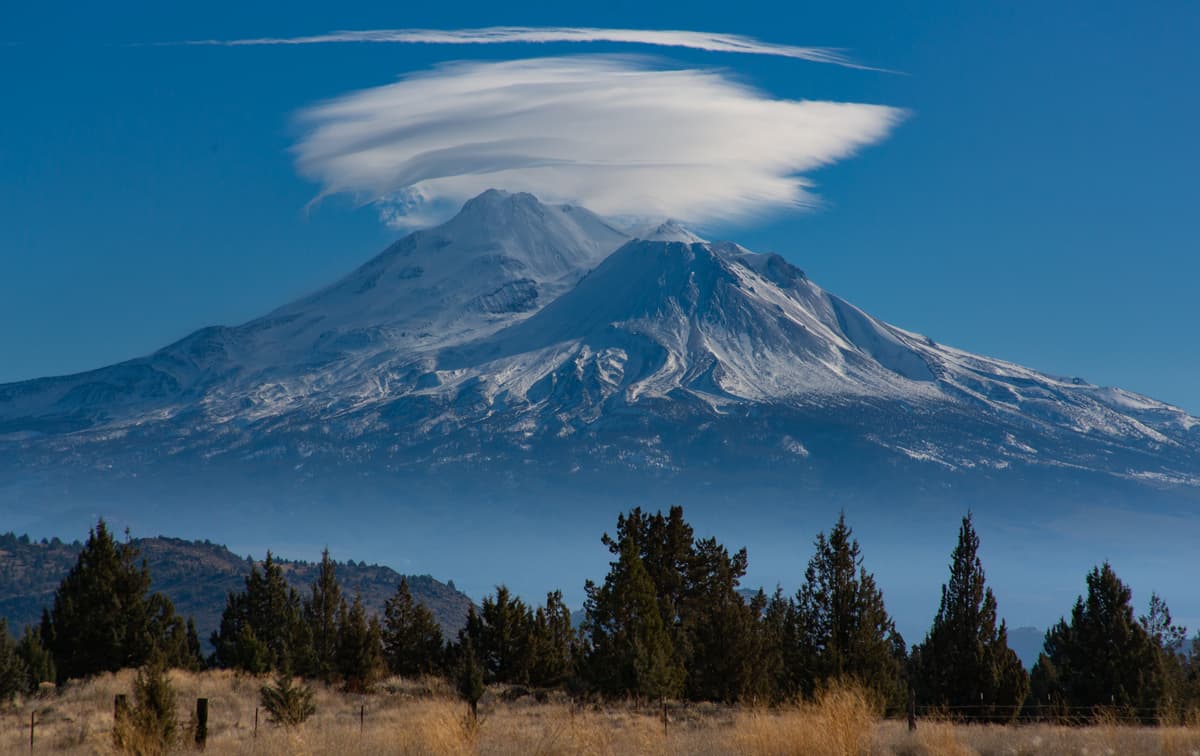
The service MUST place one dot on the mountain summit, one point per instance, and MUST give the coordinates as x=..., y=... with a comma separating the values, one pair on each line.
x=527, y=341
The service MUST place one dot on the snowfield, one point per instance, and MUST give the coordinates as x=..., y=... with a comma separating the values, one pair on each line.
x=519, y=333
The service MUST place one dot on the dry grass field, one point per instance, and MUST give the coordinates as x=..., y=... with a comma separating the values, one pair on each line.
x=422, y=717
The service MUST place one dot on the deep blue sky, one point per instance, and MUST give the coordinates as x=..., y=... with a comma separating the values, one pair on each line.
x=1039, y=205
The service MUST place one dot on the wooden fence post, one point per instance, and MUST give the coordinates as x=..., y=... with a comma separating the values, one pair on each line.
x=362, y=717
x=32, y=724
x=912, y=710
x=201, y=723
x=256, y=722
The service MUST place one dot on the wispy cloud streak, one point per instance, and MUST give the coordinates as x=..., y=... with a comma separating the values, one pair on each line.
x=611, y=133
x=710, y=41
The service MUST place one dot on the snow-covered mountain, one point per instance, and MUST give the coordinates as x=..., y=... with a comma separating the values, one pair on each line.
x=522, y=338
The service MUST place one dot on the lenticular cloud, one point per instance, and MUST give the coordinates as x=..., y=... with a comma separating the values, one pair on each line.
x=495, y=35
x=613, y=134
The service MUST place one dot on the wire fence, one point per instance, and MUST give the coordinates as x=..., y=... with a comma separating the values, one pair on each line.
x=1052, y=712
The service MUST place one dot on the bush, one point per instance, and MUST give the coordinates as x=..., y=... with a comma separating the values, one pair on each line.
x=150, y=727
x=287, y=703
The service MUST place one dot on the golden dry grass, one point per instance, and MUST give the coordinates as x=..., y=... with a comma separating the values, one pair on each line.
x=422, y=717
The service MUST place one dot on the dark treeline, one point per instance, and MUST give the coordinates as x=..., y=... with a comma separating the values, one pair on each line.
x=668, y=621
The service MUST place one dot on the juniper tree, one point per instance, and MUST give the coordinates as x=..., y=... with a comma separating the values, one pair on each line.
x=1101, y=657
x=262, y=628
x=321, y=615
x=664, y=545
x=843, y=629
x=553, y=645
x=630, y=649
x=104, y=616
x=965, y=661
x=236, y=645
x=778, y=647
x=359, y=654
x=504, y=638
x=412, y=639
x=469, y=676
x=717, y=624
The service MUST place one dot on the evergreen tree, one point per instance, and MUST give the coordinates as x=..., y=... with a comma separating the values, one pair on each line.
x=553, y=642
x=14, y=674
x=777, y=648
x=843, y=629
x=469, y=678
x=1102, y=657
x=965, y=661
x=193, y=654
x=287, y=703
x=630, y=649
x=718, y=626
x=262, y=627
x=695, y=582
x=171, y=634
x=321, y=615
x=504, y=642
x=359, y=655
x=104, y=617
x=235, y=644
x=38, y=662
x=1170, y=641
x=664, y=545
x=412, y=639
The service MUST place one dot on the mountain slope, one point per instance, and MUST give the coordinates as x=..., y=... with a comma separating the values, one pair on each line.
x=500, y=259
x=520, y=334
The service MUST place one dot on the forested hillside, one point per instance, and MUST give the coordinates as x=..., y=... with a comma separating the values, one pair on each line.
x=197, y=576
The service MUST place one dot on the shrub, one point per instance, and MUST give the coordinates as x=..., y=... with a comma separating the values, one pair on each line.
x=150, y=727
x=287, y=703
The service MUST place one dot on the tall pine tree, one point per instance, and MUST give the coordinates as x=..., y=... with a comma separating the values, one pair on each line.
x=965, y=662
x=843, y=629
x=321, y=615
x=1170, y=641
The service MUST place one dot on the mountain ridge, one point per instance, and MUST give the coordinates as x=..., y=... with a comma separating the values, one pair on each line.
x=197, y=576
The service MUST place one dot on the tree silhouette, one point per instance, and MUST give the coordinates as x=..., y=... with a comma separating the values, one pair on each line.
x=965, y=661
x=843, y=629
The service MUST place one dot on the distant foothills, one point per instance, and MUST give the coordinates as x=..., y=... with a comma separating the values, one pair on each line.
x=197, y=576
x=670, y=620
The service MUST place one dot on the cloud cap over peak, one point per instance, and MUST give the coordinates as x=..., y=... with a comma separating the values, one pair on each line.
x=614, y=134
